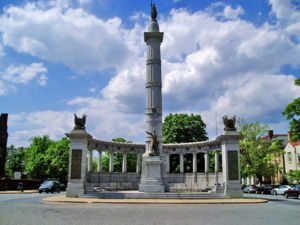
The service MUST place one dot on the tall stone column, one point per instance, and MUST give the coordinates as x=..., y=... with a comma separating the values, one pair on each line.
x=100, y=162
x=153, y=177
x=77, y=162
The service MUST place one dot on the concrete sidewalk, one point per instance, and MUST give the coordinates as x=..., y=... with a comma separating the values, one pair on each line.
x=63, y=198
x=19, y=192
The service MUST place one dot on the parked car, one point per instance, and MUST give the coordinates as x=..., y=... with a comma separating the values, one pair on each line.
x=293, y=192
x=49, y=186
x=249, y=189
x=280, y=190
x=263, y=189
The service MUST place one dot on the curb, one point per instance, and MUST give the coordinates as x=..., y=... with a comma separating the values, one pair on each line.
x=19, y=192
x=64, y=199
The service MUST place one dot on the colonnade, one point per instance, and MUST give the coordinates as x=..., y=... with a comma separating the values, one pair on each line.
x=138, y=166
x=111, y=162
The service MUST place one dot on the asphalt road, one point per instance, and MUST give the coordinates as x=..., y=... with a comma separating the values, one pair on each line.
x=21, y=209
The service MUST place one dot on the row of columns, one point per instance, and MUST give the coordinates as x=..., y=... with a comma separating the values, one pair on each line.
x=111, y=162
x=206, y=160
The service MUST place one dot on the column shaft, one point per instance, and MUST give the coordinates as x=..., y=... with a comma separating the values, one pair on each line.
x=138, y=164
x=90, y=167
x=111, y=162
x=100, y=162
x=124, y=165
x=217, y=166
x=181, y=163
x=206, y=162
x=194, y=162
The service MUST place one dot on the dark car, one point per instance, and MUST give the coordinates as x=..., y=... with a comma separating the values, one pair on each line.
x=263, y=189
x=293, y=192
x=249, y=189
x=50, y=186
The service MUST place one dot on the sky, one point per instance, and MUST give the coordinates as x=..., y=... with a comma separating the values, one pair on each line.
x=60, y=57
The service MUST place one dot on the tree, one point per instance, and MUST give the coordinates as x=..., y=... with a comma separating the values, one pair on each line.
x=257, y=155
x=36, y=161
x=58, y=156
x=46, y=158
x=292, y=112
x=294, y=175
x=182, y=128
x=15, y=161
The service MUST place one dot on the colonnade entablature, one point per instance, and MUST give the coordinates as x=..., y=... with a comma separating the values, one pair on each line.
x=110, y=146
x=192, y=147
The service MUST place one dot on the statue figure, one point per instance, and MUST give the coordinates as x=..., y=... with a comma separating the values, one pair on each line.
x=154, y=151
x=229, y=123
x=79, y=122
x=153, y=11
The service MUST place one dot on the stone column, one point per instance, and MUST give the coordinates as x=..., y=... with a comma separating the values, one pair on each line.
x=90, y=166
x=153, y=177
x=111, y=162
x=194, y=162
x=217, y=166
x=168, y=163
x=206, y=162
x=77, y=162
x=181, y=163
x=138, y=164
x=230, y=142
x=100, y=162
x=124, y=164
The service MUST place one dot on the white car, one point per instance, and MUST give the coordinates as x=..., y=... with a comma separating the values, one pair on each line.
x=280, y=190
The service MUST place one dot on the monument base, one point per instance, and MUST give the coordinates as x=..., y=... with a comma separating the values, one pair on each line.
x=151, y=181
x=74, y=190
x=234, y=190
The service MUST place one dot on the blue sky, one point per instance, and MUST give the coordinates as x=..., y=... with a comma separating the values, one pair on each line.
x=61, y=57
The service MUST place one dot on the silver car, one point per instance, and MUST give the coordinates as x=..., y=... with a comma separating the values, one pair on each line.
x=280, y=190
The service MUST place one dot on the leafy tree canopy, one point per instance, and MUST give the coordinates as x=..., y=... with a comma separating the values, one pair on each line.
x=183, y=128
x=15, y=161
x=257, y=155
x=292, y=112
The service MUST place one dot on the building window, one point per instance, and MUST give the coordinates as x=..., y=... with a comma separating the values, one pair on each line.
x=298, y=157
x=289, y=156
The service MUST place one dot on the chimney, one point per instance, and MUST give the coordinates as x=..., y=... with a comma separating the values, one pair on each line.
x=290, y=134
x=270, y=134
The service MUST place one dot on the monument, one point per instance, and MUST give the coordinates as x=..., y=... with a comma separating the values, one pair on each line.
x=155, y=177
x=152, y=163
x=3, y=143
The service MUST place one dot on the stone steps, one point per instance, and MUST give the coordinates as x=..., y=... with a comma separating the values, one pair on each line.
x=142, y=195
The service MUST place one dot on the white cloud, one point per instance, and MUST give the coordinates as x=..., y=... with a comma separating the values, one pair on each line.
x=65, y=35
x=25, y=73
x=28, y=125
x=22, y=74
x=2, y=53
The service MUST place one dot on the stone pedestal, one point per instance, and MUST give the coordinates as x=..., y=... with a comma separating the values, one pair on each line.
x=77, y=162
x=230, y=142
x=151, y=180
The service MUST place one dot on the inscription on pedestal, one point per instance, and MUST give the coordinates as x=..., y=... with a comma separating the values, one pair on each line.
x=76, y=164
x=233, y=165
